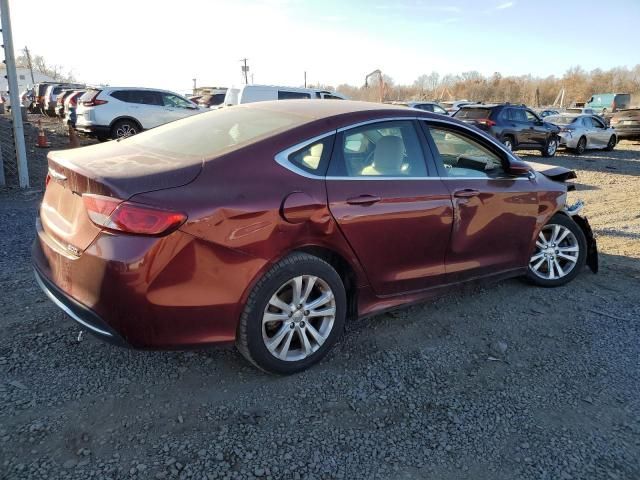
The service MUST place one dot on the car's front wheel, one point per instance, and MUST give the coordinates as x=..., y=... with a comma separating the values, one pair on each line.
x=293, y=316
x=560, y=253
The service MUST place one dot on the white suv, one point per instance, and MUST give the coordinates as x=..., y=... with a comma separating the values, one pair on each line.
x=116, y=112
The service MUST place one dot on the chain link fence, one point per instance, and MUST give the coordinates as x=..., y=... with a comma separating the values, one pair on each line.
x=36, y=157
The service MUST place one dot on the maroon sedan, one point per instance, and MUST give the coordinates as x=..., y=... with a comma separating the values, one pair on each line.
x=269, y=224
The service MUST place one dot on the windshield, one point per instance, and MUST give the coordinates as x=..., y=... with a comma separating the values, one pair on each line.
x=473, y=113
x=214, y=133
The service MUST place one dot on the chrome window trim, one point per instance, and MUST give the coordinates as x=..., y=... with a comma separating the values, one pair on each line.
x=282, y=158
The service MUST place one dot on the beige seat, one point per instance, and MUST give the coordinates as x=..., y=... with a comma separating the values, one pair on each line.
x=312, y=159
x=387, y=157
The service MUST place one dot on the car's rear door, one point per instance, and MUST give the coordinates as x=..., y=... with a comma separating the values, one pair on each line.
x=147, y=108
x=494, y=214
x=396, y=217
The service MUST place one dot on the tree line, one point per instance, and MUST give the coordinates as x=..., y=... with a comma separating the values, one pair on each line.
x=578, y=85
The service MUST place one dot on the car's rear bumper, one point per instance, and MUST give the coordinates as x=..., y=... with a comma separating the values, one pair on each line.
x=171, y=292
x=82, y=314
x=632, y=131
x=93, y=130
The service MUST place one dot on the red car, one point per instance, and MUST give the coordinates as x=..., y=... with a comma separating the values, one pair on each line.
x=270, y=223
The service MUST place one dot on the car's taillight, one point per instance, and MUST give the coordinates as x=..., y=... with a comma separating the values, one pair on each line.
x=486, y=121
x=129, y=217
x=92, y=99
x=94, y=102
x=47, y=179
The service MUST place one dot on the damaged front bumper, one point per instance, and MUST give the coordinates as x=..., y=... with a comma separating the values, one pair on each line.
x=592, y=248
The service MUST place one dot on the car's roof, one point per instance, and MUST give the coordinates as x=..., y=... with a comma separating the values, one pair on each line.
x=317, y=109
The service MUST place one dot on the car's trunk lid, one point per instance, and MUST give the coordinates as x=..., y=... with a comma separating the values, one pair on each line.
x=114, y=169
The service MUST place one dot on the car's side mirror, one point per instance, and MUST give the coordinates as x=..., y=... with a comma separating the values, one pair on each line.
x=518, y=168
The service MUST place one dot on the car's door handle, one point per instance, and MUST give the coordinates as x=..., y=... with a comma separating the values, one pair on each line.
x=363, y=200
x=466, y=193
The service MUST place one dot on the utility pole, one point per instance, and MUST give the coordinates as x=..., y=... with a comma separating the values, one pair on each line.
x=305, y=79
x=28, y=55
x=245, y=70
x=14, y=95
x=194, y=85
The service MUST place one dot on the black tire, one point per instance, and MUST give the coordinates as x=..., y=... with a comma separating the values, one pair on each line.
x=551, y=147
x=121, y=127
x=582, y=146
x=612, y=143
x=509, y=142
x=564, y=221
x=249, y=339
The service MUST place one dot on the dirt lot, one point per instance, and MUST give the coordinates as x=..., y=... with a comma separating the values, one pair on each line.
x=411, y=394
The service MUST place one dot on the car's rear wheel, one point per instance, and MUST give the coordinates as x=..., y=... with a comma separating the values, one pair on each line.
x=582, y=146
x=611, y=144
x=124, y=128
x=507, y=140
x=560, y=253
x=551, y=147
x=293, y=316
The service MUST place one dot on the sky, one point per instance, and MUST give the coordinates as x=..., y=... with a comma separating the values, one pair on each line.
x=165, y=44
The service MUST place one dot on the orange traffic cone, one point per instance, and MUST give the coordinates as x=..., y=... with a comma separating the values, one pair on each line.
x=74, y=142
x=42, y=138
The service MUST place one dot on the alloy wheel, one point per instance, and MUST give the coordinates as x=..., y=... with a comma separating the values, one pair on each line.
x=557, y=252
x=552, y=147
x=582, y=145
x=508, y=144
x=298, y=318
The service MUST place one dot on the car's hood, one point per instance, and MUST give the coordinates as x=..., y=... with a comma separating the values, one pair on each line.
x=559, y=174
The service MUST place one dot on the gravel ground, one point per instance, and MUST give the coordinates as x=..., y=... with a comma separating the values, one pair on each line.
x=503, y=382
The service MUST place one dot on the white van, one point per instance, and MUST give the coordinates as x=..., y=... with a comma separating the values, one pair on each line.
x=261, y=93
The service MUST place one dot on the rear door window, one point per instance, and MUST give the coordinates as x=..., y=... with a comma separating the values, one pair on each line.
x=122, y=95
x=385, y=149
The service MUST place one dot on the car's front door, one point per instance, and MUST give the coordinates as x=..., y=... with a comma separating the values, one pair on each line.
x=600, y=135
x=394, y=215
x=537, y=130
x=176, y=107
x=494, y=214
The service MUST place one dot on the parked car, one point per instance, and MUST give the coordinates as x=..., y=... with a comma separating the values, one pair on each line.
x=627, y=123
x=51, y=96
x=26, y=99
x=453, y=107
x=60, y=101
x=603, y=103
x=517, y=126
x=39, y=102
x=117, y=112
x=213, y=100
x=426, y=106
x=547, y=112
x=582, y=132
x=262, y=93
x=71, y=107
x=253, y=224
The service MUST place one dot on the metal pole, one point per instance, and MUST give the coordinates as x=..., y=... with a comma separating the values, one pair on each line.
x=14, y=95
x=305, y=79
x=28, y=55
